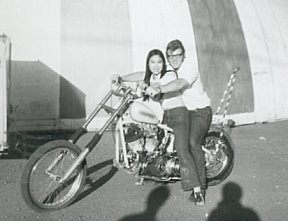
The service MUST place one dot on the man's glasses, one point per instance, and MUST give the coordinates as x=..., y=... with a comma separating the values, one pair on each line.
x=170, y=56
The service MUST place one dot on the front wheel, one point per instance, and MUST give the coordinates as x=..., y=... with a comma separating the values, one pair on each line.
x=219, y=157
x=40, y=184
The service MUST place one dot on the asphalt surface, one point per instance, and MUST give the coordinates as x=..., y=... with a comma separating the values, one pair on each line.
x=257, y=188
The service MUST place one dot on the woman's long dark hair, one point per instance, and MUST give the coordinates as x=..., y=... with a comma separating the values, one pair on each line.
x=148, y=72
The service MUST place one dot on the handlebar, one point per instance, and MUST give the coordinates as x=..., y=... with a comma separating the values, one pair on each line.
x=117, y=81
x=135, y=90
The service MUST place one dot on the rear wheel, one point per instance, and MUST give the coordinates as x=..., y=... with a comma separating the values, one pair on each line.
x=40, y=182
x=219, y=158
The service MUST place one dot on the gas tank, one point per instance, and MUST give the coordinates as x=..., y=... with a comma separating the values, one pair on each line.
x=142, y=113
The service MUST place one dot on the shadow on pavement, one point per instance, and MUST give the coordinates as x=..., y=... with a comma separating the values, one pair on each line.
x=97, y=176
x=154, y=202
x=230, y=207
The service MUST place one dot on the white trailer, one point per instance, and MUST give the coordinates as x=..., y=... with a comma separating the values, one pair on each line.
x=4, y=85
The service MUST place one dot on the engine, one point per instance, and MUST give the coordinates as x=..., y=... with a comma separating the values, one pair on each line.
x=164, y=166
x=141, y=137
x=147, y=151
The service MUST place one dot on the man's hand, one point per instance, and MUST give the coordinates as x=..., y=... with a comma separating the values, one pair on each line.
x=152, y=91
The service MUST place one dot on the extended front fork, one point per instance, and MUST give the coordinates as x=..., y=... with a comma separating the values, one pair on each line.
x=126, y=97
x=120, y=141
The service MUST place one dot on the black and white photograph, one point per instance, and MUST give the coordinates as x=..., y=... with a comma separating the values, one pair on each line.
x=143, y=110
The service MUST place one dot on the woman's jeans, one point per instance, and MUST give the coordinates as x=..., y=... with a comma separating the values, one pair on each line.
x=191, y=157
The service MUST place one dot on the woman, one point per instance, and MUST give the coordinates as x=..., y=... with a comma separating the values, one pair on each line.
x=175, y=112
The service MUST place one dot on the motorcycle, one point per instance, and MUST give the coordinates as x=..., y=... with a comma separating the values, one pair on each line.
x=55, y=173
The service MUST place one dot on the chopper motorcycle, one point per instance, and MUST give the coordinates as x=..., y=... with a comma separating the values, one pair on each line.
x=55, y=173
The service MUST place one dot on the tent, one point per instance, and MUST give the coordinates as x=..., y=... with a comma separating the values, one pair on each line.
x=63, y=48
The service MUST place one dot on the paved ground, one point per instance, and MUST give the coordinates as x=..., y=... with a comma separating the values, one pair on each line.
x=257, y=188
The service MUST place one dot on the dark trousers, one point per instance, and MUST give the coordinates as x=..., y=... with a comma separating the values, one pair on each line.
x=190, y=128
x=200, y=121
x=178, y=120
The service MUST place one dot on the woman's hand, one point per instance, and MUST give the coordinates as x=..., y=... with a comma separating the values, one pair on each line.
x=153, y=90
x=116, y=79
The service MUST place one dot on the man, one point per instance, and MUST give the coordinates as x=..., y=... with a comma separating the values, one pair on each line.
x=200, y=114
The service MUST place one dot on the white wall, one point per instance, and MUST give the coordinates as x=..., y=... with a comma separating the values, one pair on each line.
x=264, y=23
x=72, y=46
x=155, y=28
x=95, y=44
x=34, y=29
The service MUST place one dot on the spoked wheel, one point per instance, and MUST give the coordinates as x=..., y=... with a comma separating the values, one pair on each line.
x=220, y=159
x=40, y=182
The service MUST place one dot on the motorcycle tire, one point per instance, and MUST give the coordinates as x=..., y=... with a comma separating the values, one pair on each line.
x=223, y=163
x=40, y=186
